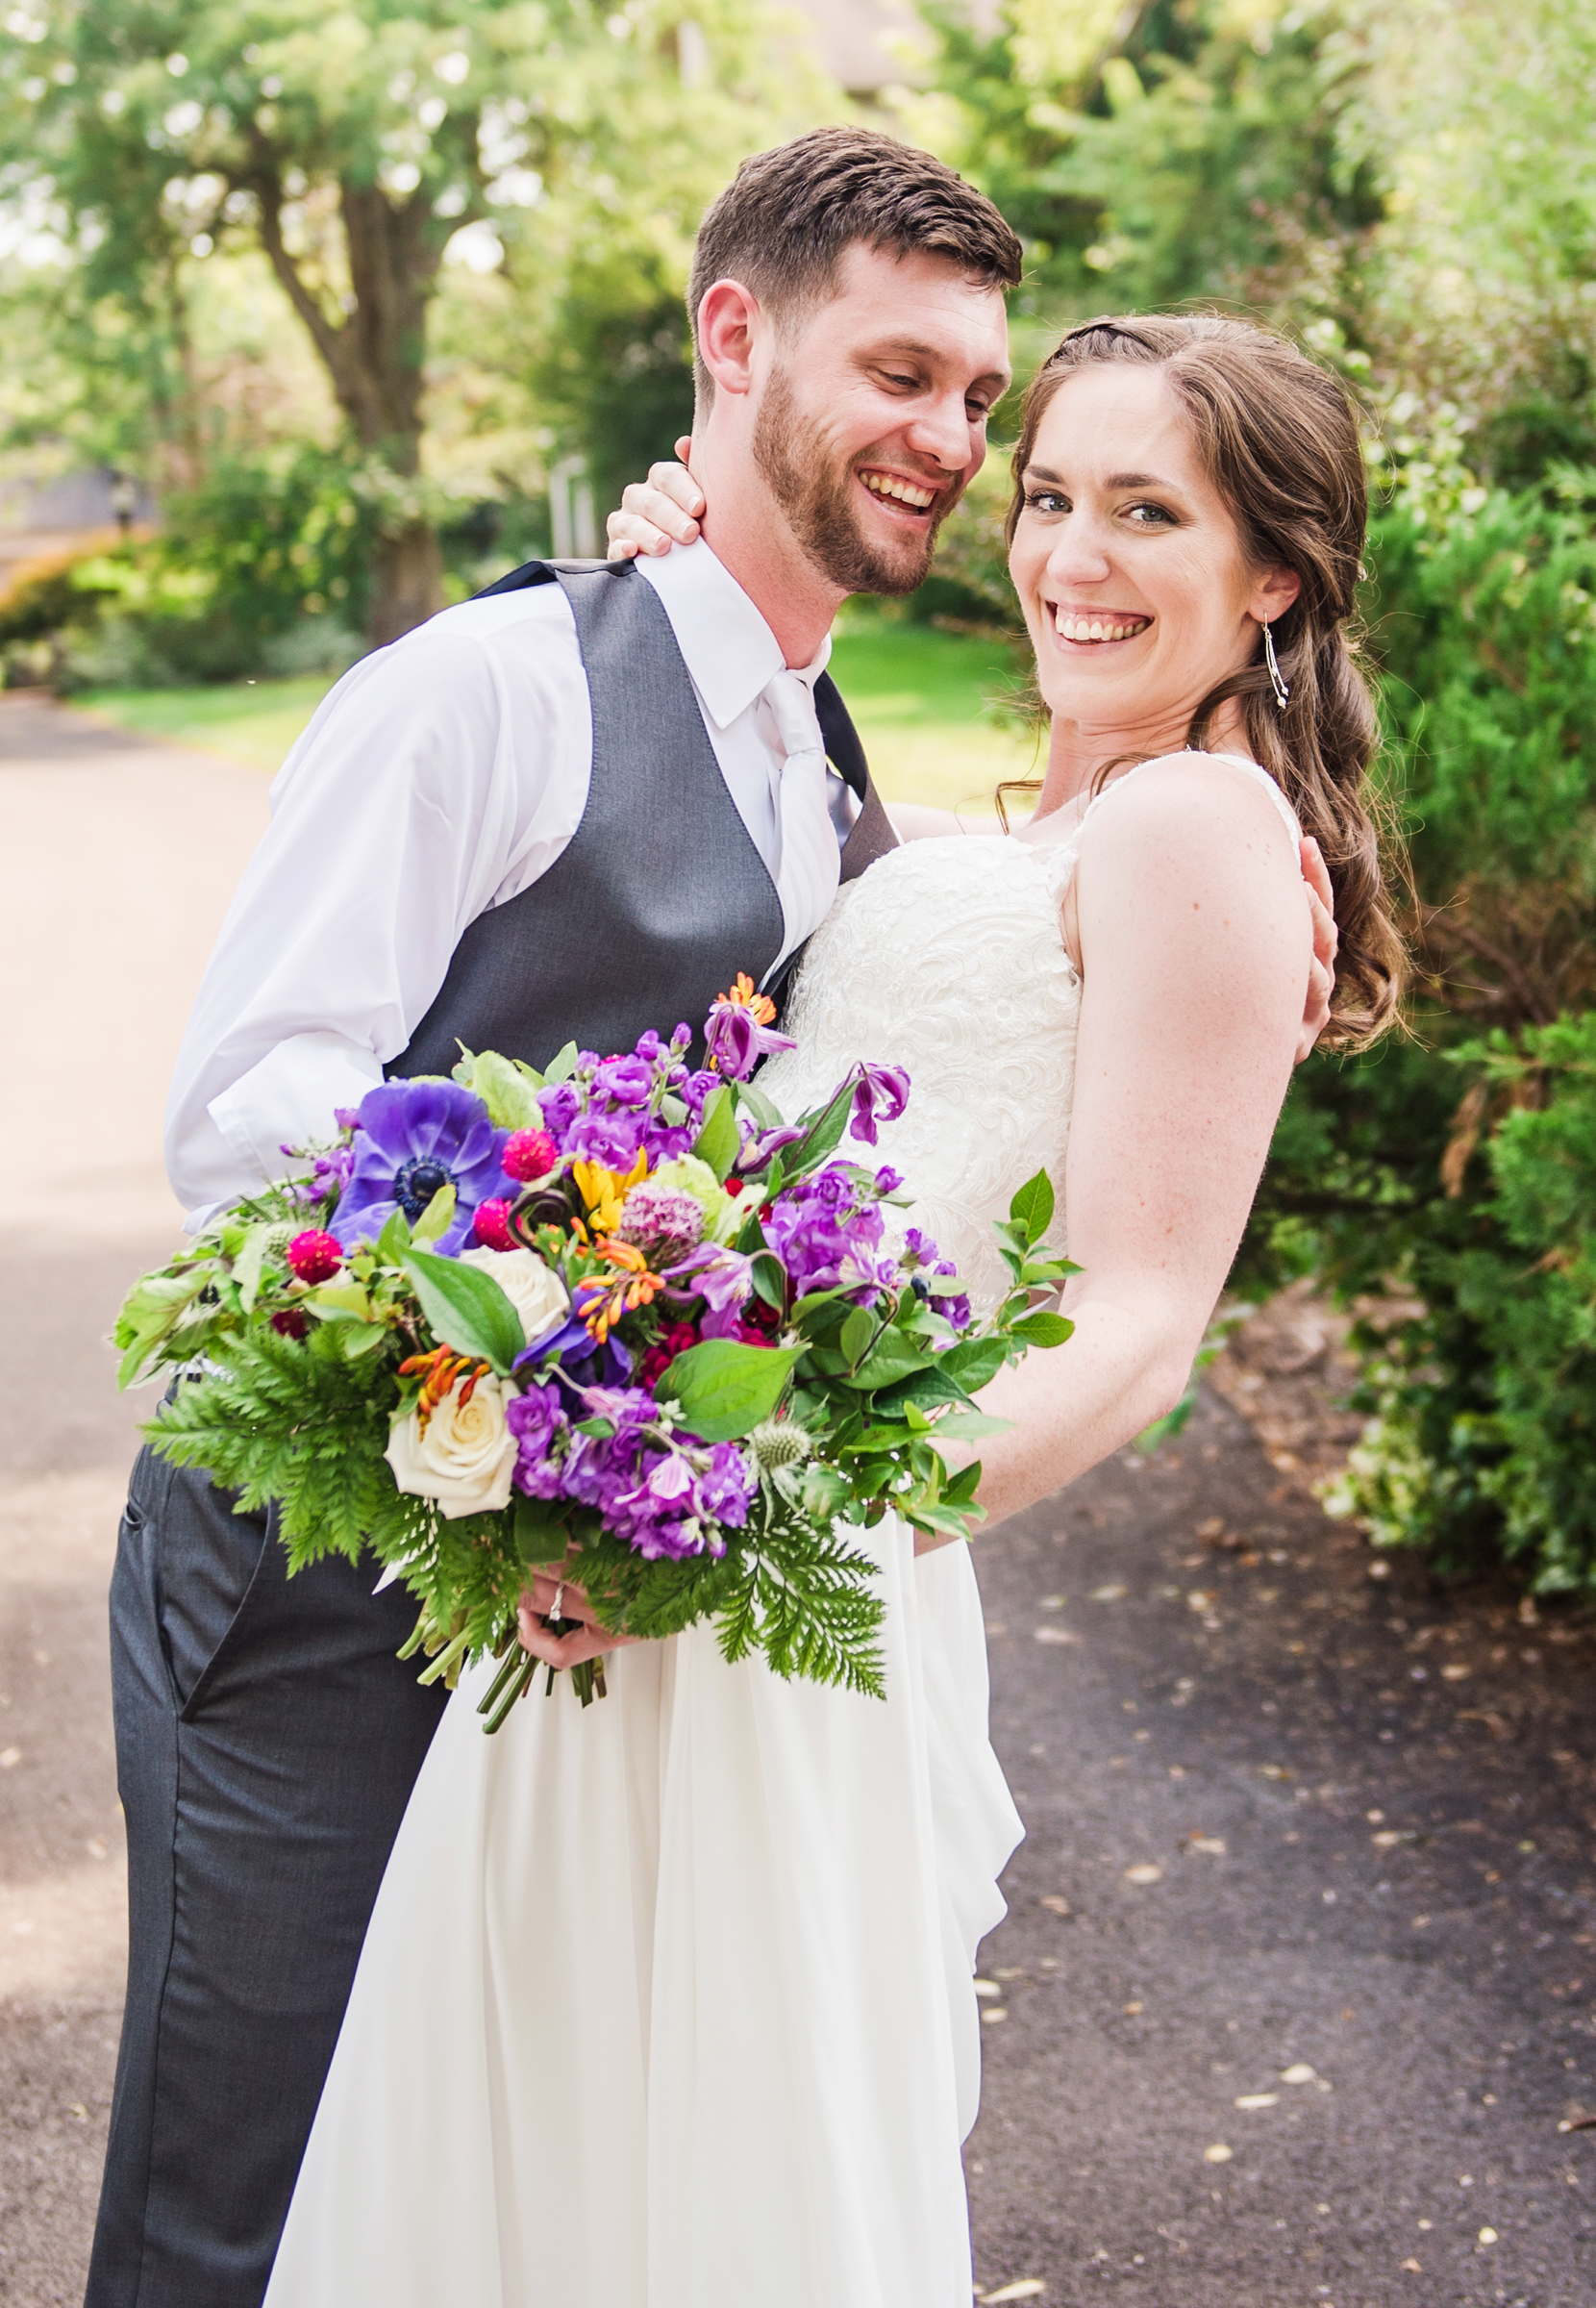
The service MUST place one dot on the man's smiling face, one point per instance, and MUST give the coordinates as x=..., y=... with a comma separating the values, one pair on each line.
x=872, y=413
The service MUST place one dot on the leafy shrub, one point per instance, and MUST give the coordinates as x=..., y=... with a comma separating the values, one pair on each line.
x=1438, y=1173
x=1485, y=1433
x=261, y=568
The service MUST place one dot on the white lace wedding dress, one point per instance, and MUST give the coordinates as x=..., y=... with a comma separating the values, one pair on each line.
x=669, y=2003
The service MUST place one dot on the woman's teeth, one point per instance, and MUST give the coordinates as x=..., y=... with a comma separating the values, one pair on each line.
x=905, y=491
x=1100, y=629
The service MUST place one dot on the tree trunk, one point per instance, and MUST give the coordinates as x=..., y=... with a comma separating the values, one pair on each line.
x=375, y=360
x=407, y=582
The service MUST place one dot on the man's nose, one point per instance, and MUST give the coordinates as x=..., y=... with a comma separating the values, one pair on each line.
x=941, y=431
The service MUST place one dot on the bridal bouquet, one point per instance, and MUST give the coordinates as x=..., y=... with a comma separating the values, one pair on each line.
x=616, y=1316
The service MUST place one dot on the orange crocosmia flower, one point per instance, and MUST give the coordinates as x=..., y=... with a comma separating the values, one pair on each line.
x=744, y=997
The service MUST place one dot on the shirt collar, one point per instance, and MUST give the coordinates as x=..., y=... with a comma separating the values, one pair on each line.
x=726, y=645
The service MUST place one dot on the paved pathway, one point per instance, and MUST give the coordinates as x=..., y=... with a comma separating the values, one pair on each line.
x=1284, y=1820
x=116, y=863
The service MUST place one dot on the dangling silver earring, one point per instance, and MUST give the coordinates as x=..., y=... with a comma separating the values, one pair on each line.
x=1275, y=680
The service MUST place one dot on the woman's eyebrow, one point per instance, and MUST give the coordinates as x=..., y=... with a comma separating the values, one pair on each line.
x=1042, y=472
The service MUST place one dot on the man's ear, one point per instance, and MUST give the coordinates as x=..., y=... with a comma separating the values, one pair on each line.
x=728, y=319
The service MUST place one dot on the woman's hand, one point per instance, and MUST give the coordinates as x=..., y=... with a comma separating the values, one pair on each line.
x=589, y=1641
x=1321, y=970
x=659, y=513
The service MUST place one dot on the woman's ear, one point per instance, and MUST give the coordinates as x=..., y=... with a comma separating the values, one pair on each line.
x=1273, y=594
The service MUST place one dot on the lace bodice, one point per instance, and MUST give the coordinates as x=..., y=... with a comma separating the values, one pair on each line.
x=947, y=958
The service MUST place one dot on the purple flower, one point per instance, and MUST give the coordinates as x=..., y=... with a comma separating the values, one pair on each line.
x=538, y=1422
x=330, y=1172
x=626, y=1081
x=725, y=1486
x=922, y=1257
x=822, y=1233
x=561, y=1106
x=647, y=1490
x=883, y=1086
x=611, y=1138
x=737, y=1032
x=414, y=1137
x=724, y=1279
x=759, y=1150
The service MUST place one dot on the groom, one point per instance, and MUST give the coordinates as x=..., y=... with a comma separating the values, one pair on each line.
x=570, y=810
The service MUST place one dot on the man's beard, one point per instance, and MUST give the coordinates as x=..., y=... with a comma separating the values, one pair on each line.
x=798, y=460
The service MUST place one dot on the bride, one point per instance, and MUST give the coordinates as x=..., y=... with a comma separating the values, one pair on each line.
x=668, y=2004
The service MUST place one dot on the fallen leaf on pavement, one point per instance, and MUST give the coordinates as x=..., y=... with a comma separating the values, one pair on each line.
x=1053, y=1635
x=1214, y=1845
x=1058, y=1906
x=1110, y=1595
x=1146, y=1873
x=1300, y=2073
x=1219, y=2153
x=1258, y=2100
x=1028, y=2288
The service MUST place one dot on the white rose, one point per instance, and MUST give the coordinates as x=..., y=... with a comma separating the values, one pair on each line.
x=465, y=1455
x=534, y=1288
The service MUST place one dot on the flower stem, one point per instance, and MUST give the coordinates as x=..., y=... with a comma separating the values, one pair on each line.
x=514, y=1663
x=446, y=1658
x=526, y=1666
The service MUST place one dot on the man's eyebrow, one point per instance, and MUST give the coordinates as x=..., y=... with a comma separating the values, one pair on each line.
x=911, y=348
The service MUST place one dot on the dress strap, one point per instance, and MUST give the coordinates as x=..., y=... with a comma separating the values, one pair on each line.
x=1237, y=760
x=1063, y=857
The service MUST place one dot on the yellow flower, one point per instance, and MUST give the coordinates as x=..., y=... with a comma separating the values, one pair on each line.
x=603, y=1191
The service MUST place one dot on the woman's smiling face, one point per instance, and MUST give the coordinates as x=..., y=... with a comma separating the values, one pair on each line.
x=1128, y=563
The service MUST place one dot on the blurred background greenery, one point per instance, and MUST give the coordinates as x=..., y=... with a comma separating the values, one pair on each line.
x=317, y=318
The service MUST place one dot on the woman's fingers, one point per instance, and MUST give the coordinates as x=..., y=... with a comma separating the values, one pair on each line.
x=588, y=1640
x=656, y=513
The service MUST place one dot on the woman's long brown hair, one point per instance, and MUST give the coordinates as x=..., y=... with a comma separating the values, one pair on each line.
x=1279, y=440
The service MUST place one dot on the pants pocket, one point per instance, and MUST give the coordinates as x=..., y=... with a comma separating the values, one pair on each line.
x=207, y=1557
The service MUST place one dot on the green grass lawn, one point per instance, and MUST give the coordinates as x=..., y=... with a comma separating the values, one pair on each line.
x=920, y=699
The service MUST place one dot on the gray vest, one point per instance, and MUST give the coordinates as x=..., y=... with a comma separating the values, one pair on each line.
x=660, y=896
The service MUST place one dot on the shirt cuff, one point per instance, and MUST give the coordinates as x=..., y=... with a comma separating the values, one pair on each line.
x=288, y=1100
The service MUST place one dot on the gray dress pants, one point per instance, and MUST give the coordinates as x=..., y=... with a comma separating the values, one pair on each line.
x=267, y=1743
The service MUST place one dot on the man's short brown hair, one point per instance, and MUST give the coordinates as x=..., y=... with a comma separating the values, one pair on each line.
x=783, y=223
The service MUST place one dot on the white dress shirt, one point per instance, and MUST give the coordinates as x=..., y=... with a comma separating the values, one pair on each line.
x=440, y=777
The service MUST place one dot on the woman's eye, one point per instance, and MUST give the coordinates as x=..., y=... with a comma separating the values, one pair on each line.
x=1150, y=516
x=1046, y=500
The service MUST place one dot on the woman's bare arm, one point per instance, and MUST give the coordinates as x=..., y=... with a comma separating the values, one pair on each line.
x=1187, y=879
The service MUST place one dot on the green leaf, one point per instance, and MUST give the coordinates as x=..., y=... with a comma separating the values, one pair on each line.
x=973, y=1361
x=510, y=1099
x=967, y=1424
x=893, y=1358
x=437, y=1218
x=394, y=1240
x=563, y=1067
x=770, y=1279
x=858, y=1331
x=1042, y=1329
x=822, y=1136
x=960, y=1489
x=718, y=1140
x=462, y=1073
x=466, y=1308
x=922, y=1392
x=759, y=1106
x=247, y=1266
x=725, y=1389
x=541, y=1532
x=1032, y=1207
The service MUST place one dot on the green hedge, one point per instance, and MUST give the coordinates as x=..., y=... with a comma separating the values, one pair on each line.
x=1443, y=1169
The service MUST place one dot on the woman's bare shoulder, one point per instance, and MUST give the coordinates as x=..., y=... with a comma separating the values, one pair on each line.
x=1184, y=797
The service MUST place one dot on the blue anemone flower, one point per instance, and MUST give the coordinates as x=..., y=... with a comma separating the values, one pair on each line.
x=414, y=1137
